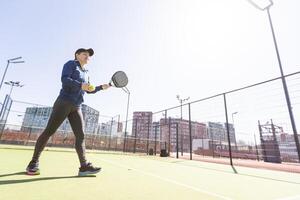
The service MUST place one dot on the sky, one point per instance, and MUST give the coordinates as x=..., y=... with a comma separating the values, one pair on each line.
x=195, y=48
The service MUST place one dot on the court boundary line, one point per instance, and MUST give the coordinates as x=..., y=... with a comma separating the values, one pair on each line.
x=168, y=180
x=294, y=197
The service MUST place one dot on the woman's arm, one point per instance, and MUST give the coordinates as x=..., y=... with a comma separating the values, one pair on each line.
x=97, y=89
x=66, y=79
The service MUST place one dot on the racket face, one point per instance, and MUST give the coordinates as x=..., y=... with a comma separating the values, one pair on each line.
x=120, y=79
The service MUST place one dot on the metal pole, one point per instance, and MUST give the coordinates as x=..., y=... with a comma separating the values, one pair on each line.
x=148, y=134
x=118, y=126
x=32, y=124
x=135, y=135
x=165, y=124
x=160, y=135
x=262, y=141
x=181, y=109
x=234, y=129
x=169, y=146
x=155, y=138
x=118, y=130
x=93, y=140
x=111, y=126
x=4, y=74
x=116, y=146
x=100, y=140
x=286, y=92
x=257, y=156
x=166, y=112
x=181, y=127
x=181, y=141
x=3, y=118
x=9, y=107
x=220, y=142
x=277, y=150
x=190, y=132
x=118, y=123
x=11, y=89
x=177, y=147
x=3, y=108
x=227, y=127
x=213, y=148
x=202, y=146
x=128, y=98
x=64, y=133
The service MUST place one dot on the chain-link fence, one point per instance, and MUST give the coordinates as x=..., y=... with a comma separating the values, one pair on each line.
x=248, y=126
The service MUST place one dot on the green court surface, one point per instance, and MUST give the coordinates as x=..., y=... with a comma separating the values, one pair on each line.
x=133, y=177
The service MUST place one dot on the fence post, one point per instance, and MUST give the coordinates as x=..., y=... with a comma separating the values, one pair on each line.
x=155, y=138
x=227, y=128
x=257, y=156
x=177, y=147
x=111, y=126
x=148, y=134
x=135, y=135
x=1, y=117
x=32, y=123
x=212, y=143
x=181, y=140
x=93, y=142
x=165, y=124
x=190, y=132
x=116, y=146
x=7, y=103
x=169, y=146
x=118, y=131
x=262, y=142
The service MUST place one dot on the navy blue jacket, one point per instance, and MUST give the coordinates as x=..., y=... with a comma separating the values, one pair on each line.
x=72, y=78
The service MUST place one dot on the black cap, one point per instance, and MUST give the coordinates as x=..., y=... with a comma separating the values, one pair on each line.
x=90, y=51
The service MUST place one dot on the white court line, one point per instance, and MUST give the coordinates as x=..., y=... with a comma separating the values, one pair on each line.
x=170, y=180
x=290, y=198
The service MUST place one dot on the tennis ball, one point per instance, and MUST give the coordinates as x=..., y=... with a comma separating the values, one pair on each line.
x=91, y=88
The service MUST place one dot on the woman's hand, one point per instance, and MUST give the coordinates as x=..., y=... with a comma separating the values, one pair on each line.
x=105, y=86
x=85, y=86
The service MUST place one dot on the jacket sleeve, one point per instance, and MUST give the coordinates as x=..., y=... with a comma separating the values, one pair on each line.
x=97, y=89
x=66, y=79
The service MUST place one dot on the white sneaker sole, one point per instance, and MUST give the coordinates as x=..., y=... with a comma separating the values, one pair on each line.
x=32, y=173
x=88, y=173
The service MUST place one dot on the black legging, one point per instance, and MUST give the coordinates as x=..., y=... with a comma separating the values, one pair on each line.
x=61, y=110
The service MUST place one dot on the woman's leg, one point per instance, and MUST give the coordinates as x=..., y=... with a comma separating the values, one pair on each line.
x=76, y=122
x=61, y=110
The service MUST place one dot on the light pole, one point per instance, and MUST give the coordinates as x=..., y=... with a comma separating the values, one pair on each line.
x=111, y=127
x=232, y=115
x=126, y=90
x=19, y=116
x=266, y=6
x=181, y=101
x=14, y=61
x=12, y=85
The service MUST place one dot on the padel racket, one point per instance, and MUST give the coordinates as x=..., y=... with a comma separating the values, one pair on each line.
x=119, y=79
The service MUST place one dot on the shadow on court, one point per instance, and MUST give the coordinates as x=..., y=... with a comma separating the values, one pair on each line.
x=12, y=174
x=8, y=182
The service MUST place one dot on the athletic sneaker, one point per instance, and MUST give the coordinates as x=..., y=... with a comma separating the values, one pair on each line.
x=88, y=169
x=33, y=168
